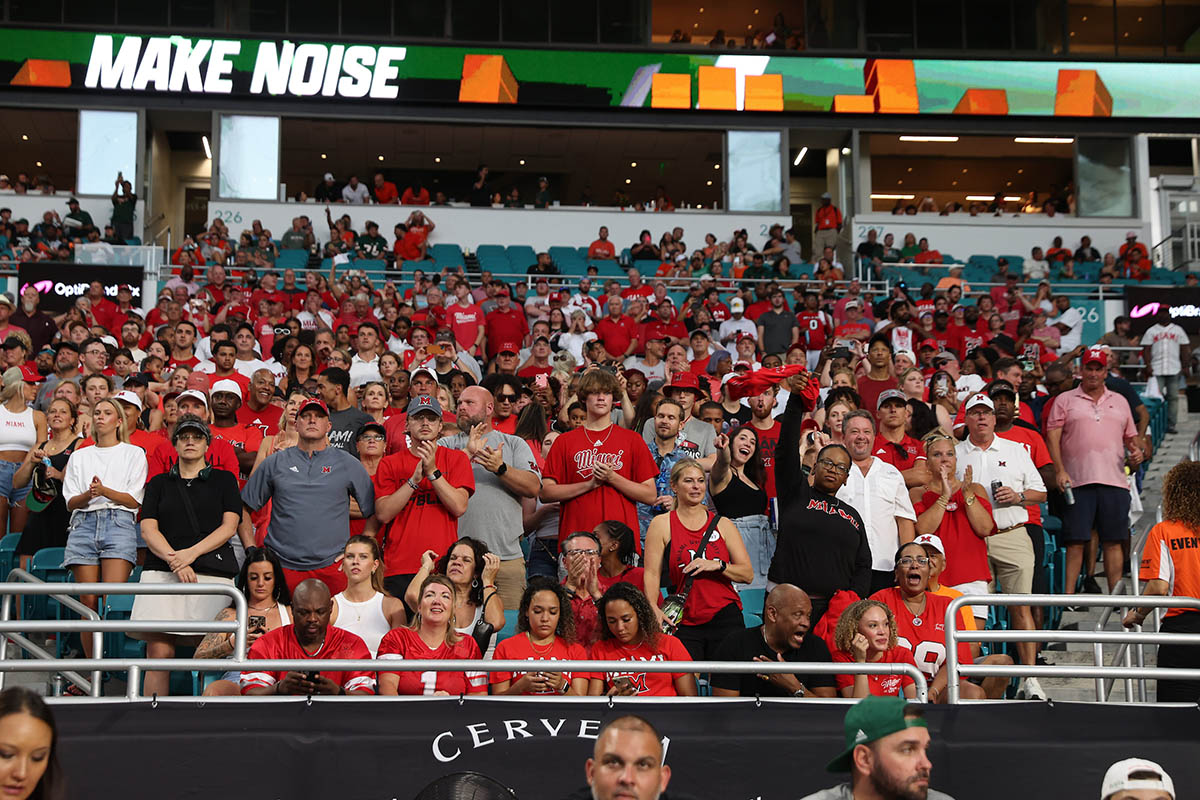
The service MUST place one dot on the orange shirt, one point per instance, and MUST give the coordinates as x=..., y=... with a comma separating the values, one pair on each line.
x=1172, y=554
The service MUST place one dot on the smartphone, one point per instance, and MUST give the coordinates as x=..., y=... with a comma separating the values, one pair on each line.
x=541, y=381
x=847, y=343
x=841, y=352
x=257, y=624
x=995, y=487
x=312, y=676
x=435, y=349
x=623, y=683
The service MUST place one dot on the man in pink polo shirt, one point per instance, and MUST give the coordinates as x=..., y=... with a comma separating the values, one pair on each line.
x=1091, y=436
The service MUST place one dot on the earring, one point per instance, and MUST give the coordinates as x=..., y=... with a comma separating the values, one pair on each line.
x=475, y=583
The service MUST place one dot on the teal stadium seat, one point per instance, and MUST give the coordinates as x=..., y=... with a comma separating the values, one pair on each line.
x=521, y=257
x=292, y=259
x=510, y=625
x=753, y=600
x=8, y=552
x=447, y=255
x=750, y=619
x=46, y=565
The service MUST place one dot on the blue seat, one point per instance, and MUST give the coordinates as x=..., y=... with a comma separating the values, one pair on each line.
x=8, y=552
x=120, y=645
x=47, y=566
x=647, y=267
x=447, y=255
x=134, y=241
x=753, y=600
x=750, y=619
x=521, y=257
x=510, y=625
x=292, y=259
x=371, y=265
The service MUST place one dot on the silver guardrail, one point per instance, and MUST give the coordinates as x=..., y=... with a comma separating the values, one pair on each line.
x=135, y=666
x=955, y=670
x=1194, y=449
x=92, y=623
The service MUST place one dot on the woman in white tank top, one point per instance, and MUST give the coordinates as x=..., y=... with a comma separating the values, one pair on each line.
x=21, y=428
x=364, y=608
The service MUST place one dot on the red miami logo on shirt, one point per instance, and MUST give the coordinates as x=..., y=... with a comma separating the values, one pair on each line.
x=325, y=470
x=585, y=460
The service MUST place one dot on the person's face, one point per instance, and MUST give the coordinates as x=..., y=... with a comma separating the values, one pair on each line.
x=374, y=398
x=622, y=621
x=58, y=416
x=874, y=625
x=981, y=421
x=690, y=486
x=367, y=339
x=836, y=414
x=879, y=355
x=761, y=404
x=893, y=414
x=830, y=470
x=791, y=618
x=714, y=417
x=666, y=421
x=244, y=340
x=25, y=745
x=95, y=390
x=398, y=385
x=311, y=616
x=224, y=358
x=1006, y=407
x=543, y=614
x=104, y=416
x=627, y=764
x=122, y=365
x=599, y=404
x=95, y=357
x=190, y=405
x=911, y=575
x=859, y=436
x=1093, y=376
x=576, y=418
x=914, y=385
x=225, y=404
x=424, y=426
x=312, y=425
x=436, y=605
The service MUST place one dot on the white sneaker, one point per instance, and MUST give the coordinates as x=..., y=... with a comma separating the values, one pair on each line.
x=1030, y=689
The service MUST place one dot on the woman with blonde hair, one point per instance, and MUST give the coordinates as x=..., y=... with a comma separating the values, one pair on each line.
x=866, y=634
x=103, y=485
x=363, y=607
x=21, y=428
x=431, y=635
x=375, y=398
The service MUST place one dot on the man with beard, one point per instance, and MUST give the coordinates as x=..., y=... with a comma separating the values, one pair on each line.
x=887, y=753
x=505, y=473
x=668, y=448
x=37, y=323
x=685, y=390
x=781, y=638
x=66, y=368
x=258, y=410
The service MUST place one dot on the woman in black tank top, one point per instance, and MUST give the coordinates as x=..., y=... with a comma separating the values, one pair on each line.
x=736, y=484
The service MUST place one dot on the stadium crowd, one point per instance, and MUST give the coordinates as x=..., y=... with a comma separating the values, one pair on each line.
x=811, y=471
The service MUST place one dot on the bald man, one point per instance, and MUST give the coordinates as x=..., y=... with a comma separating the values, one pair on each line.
x=505, y=472
x=309, y=636
x=627, y=761
x=781, y=638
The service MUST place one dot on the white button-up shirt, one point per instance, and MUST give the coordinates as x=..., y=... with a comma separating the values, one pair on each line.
x=1005, y=461
x=879, y=497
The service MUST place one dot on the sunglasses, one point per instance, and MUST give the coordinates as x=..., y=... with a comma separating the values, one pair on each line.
x=506, y=398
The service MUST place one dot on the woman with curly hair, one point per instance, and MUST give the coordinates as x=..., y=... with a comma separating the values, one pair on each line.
x=617, y=543
x=1171, y=566
x=545, y=632
x=629, y=632
x=866, y=634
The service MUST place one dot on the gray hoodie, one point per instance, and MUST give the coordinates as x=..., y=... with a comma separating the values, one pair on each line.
x=843, y=792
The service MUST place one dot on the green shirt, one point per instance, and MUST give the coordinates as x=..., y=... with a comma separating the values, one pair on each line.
x=542, y=199
x=123, y=209
x=292, y=240
x=371, y=246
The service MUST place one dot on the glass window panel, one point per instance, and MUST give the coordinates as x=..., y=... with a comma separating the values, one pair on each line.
x=573, y=21
x=621, y=22
x=419, y=19
x=308, y=17
x=1090, y=28
x=141, y=13
x=526, y=20
x=193, y=13
x=1183, y=27
x=249, y=158
x=888, y=25
x=475, y=20
x=267, y=16
x=107, y=145
x=1105, y=178
x=989, y=25
x=754, y=170
x=38, y=11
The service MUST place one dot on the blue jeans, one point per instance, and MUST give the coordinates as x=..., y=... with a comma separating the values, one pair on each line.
x=1169, y=385
x=107, y=533
x=543, y=558
x=7, y=470
x=760, y=543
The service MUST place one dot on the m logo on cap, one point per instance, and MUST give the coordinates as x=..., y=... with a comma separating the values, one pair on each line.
x=424, y=400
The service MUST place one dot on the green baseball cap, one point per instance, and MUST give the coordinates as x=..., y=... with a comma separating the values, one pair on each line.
x=871, y=719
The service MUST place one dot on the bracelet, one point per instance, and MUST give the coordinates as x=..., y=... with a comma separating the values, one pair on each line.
x=413, y=484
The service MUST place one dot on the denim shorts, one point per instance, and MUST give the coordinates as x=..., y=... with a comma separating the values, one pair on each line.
x=7, y=470
x=107, y=533
x=760, y=544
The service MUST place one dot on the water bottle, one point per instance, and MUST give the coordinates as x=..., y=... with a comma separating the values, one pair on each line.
x=1069, y=494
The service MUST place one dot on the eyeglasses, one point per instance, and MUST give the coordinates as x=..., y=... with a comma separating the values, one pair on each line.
x=833, y=466
x=581, y=552
x=371, y=438
x=506, y=398
x=908, y=561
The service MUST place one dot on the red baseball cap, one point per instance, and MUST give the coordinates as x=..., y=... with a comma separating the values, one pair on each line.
x=1095, y=355
x=313, y=402
x=685, y=380
x=198, y=380
x=509, y=347
x=932, y=343
x=555, y=297
x=29, y=374
x=501, y=292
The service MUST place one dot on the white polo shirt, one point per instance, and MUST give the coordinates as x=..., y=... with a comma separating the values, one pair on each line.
x=1005, y=461
x=879, y=497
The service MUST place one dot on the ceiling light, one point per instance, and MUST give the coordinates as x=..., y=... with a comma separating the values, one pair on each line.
x=756, y=11
x=910, y=169
x=1126, y=34
x=1139, y=19
x=749, y=27
x=1020, y=172
x=845, y=151
x=892, y=196
x=899, y=182
x=521, y=162
x=1043, y=139
x=716, y=166
x=695, y=24
x=38, y=163
x=381, y=158
x=701, y=9
x=800, y=156
x=1083, y=18
x=207, y=149
x=24, y=137
x=323, y=156
x=929, y=138
x=708, y=184
x=627, y=180
x=983, y=198
x=964, y=170
x=954, y=183
x=1008, y=183
x=1072, y=33
x=437, y=159
x=633, y=163
x=1012, y=198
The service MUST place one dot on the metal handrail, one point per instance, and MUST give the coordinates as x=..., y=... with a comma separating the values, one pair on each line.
x=134, y=667
x=1194, y=449
x=955, y=670
x=93, y=624
x=92, y=687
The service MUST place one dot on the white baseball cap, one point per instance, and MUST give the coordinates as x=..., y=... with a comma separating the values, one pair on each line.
x=1149, y=775
x=907, y=354
x=227, y=385
x=736, y=305
x=933, y=540
x=129, y=397
x=195, y=394
x=979, y=399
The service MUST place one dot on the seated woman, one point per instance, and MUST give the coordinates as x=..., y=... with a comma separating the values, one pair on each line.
x=630, y=633
x=364, y=608
x=267, y=601
x=189, y=515
x=472, y=568
x=866, y=633
x=617, y=543
x=431, y=635
x=545, y=632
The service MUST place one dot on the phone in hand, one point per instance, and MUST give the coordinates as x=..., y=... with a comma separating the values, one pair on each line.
x=257, y=624
x=312, y=676
x=540, y=381
x=623, y=683
x=435, y=349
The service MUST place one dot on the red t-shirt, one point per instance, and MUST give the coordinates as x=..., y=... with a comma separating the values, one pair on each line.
x=281, y=644
x=424, y=523
x=657, y=329
x=519, y=648
x=886, y=451
x=406, y=644
x=966, y=554
x=879, y=685
x=602, y=248
x=1035, y=445
x=711, y=591
x=645, y=290
x=812, y=326
x=634, y=576
x=266, y=420
x=926, y=640
x=421, y=198
x=617, y=335
x=847, y=330
x=241, y=380
x=768, y=440
x=465, y=321
x=869, y=390
x=187, y=362
x=533, y=370
x=408, y=247
x=570, y=461
x=504, y=327
x=386, y=193
x=247, y=437
x=646, y=684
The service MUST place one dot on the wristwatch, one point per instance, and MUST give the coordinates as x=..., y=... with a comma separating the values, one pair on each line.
x=799, y=692
x=503, y=468
x=1021, y=498
x=723, y=564
x=433, y=476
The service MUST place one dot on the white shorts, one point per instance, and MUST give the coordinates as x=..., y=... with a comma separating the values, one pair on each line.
x=975, y=587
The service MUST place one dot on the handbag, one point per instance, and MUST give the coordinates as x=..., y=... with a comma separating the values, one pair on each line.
x=675, y=602
x=220, y=561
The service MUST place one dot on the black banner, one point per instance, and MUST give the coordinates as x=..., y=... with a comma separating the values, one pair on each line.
x=61, y=284
x=717, y=750
x=1142, y=303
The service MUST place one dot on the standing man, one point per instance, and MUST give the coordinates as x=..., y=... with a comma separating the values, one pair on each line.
x=423, y=490
x=505, y=473
x=737, y=325
x=599, y=470
x=1092, y=437
x=828, y=220
x=344, y=419
x=245, y=439
x=684, y=389
x=66, y=368
x=465, y=318
x=1168, y=356
x=893, y=444
x=667, y=449
x=364, y=365
x=876, y=490
x=627, y=762
x=1069, y=322
x=258, y=410
x=778, y=328
x=310, y=485
x=1013, y=484
x=504, y=323
x=762, y=418
x=618, y=332
x=37, y=323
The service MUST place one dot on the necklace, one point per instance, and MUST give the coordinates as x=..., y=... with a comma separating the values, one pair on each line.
x=265, y=610
x=600, y=442
x=540, y=650
x=917, y=621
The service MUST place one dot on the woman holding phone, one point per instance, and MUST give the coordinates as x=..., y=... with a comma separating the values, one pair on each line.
x=189, y=515
x=364, y=608
x=630, y=632
x=545, y=632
